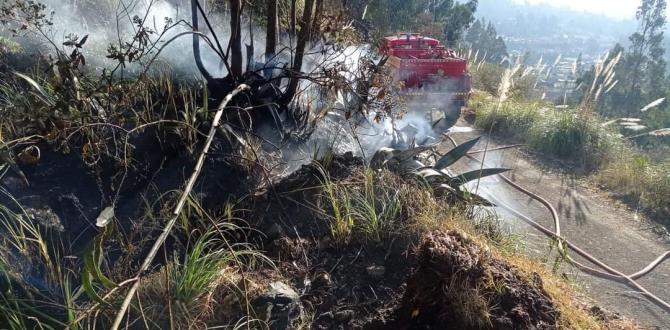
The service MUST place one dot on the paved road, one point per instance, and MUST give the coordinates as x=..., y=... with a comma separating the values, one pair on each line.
x=597, y=224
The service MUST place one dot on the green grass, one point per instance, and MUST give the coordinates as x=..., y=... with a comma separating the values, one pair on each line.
x=200, y=267
x=375, y=209
x=583, y=141
x=367, y=209
x=22, y=305
x=564, y=133
x=641, y=183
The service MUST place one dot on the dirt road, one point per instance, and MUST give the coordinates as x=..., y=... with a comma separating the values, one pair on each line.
x=601, y=226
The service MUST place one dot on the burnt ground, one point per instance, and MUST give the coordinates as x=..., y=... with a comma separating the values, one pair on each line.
x=432, y=282
x=437, y=280
x=607, y=229
x=65, y=193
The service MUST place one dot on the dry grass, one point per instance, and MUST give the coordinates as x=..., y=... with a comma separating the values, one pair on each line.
x=570, y=303
x=641, y=183
x=567, y=134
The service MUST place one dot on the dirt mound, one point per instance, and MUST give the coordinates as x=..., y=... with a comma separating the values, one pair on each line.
x=459, y=285
x=450, y=280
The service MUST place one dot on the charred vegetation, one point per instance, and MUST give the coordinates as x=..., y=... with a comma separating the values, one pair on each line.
x=130, y=198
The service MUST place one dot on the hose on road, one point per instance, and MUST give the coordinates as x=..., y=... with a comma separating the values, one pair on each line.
x=609, y=273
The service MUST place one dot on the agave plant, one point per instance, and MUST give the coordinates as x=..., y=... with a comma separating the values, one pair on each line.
x=438, y=177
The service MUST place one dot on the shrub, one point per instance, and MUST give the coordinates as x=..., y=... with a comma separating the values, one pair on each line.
x=647, y=185
x=564, y=133
x=584, y=141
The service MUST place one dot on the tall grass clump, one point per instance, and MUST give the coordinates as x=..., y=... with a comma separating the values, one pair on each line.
x=36, y=288
x=375, y=209
x=586, y=142
x=562, y=133
x=641, y=183
x=339, y=202
x=198, y=268
x=513, y=119
x=369, y=206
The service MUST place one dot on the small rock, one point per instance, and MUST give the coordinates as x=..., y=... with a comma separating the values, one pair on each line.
x=278, y=306
x=274, y=232
x=322, y=280
x=46, y=217
x=376, y=271
x=345, y=315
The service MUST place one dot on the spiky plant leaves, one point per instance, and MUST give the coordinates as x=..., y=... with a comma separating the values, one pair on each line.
x=93, y=256
x=43, y=95
x=436, y=177
x=429, y=173
x=410, y=166
x=432, y=177
x=475, y=199
x=445, y=190
x=476, y=174
x=455, y=154
x=413, y=152
x=381, y=157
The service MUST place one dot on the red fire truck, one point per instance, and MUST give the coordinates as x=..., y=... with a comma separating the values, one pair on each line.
x=434, y=77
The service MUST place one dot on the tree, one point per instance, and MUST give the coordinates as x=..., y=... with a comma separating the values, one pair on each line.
x=484, y=39
x=272, y=26
x=235, y=38
x=457, y=19
x=303, y=37
x=646, y=75
x=292, y=14
x=392, y=16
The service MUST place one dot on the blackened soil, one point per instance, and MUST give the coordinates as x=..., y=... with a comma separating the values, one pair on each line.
x=399, y=283
x=76, y=191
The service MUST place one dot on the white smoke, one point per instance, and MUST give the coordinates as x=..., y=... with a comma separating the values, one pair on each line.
x=112, y=23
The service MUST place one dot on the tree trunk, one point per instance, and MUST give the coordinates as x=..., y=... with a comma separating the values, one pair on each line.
x=305, y=27
x=293, y=14
x=271, y=31
x=235, y=38
x=250, y=48
x=317, y=18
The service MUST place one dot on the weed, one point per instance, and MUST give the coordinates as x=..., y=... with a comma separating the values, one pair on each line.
x=200, y=266
x=585, y=141
x=564, y=133
x=366, y=209
x=43, y=283
x=375, y=210
x=640, y=182
x=339, y=202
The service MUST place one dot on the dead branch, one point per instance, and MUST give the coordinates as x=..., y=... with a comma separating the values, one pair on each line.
x=184, y=196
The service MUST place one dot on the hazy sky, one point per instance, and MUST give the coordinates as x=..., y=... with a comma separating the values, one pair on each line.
x=613, y=8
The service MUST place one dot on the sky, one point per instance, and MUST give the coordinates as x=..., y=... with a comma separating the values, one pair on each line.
x=620, y=9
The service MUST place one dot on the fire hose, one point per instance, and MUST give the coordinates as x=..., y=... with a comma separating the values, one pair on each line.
x=609, y=273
